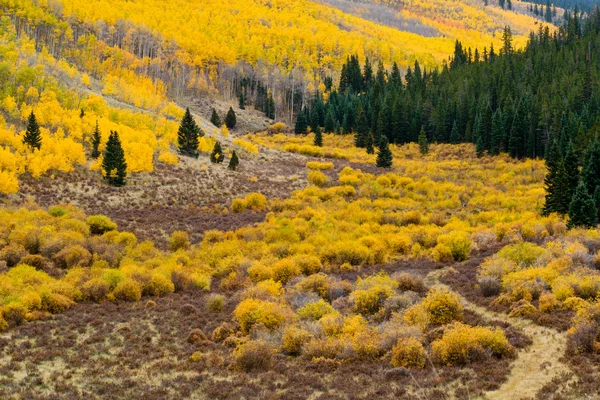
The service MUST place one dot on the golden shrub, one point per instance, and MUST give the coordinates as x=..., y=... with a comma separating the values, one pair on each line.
x=100, y=224
x=253, y=355
x=329, y=348
x=256, y=201
x=462, y=344
x=442, y=306
x=408, y=352
x=548, y=302
x=316, y=310
x=319, y=166
x=179, y=240
x=318, y=178
x=293, y=339
x=128, y=290
x=459, y=244
x=284, y=270
x=215, y=302
x=95, y=289
x=238, y=205
x=252, y=311
x=369, y=301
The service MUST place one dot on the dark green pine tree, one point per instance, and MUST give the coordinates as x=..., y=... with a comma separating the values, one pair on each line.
x=217, y=154
x=384, y=155
x=582, y=210
x=553, y=163
x=329, y=121
x=188, y=134
x=230, y=119
x=242, y=101
x=423, y=142
x=301, y=123
x=497, y=133
x=369, y=144
x=590, y=174
x=233, y=161
x=96, y=139
x=562, y=196
x=455, y=134
x=215, y=119
x=270, y=107
x=33, y=136
x=571, y=164
x=82, y=113
x=479, y=135
x=362, y=128
x=318, y=137
x=113, y=161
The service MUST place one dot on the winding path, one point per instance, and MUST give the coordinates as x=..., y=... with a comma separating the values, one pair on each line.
x=536, y=365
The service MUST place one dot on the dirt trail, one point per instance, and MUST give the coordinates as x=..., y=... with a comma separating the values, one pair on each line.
x=535, y=366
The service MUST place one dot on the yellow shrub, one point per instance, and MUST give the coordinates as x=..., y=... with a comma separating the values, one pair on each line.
x=442, y=306
x=459, y=244
x=128, y=290
x=95, y=289
x=259, y=272
x=462, y=344
x=179, y=240
x=256, y=201
x=369, y=301
x=159, y=285
x=320, y=166
x=548, y=302
x=315, y=311
x=284, y=270
x=308, y=264
x=293, y=339
x=251, y=311
x=408, y=352
x=318, y=178
x=523, y=254
x=238, y=205
x=100, y=224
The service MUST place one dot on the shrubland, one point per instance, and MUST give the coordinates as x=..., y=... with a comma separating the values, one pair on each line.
x=288, y=269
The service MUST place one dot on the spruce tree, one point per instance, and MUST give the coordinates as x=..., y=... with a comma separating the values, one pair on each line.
x=230, y=119
x=553, y=162
x=188, y=134
x=301, y=123
x=215, y=119
x=423, y=143
x=369, y=144
x=217, y=154
x=233, y=161
x=384, y=155
x=571, y=165
x=562, y=195
x=96, y=138
x=318, y=137
x=582, y=210
x=113, y=161
x=82, y=113
x=455, y=134
x=329, y=122
x=33, y=136
x=270, y=107
x=242, y=101
x=590, y=174
x=362, y=128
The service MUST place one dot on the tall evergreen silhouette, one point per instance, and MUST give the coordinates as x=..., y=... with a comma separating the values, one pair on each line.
x=96, y=138
x=33, y=136
x=188, y=134
x=113, y=161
